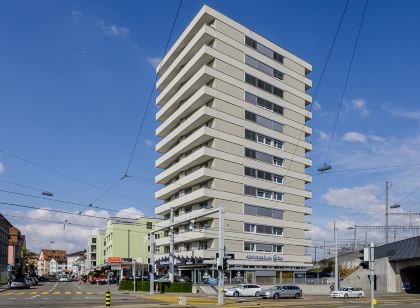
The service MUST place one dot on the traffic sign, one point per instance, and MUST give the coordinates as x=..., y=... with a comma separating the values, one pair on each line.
x=9, y=267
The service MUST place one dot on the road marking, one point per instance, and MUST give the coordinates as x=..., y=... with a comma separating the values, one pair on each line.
x=67, y=292
x=78, y=293
x=53, y=287
x=20, y=293
x=56, y=293
x=90, y=293
x=33, y=292
x=46, y=292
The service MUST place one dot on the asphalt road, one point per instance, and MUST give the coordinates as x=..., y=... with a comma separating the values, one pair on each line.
x=67, y=294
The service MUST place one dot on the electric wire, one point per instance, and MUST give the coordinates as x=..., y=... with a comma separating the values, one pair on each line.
x=346, y=81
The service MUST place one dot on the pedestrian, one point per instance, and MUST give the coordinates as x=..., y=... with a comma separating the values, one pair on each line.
x=331, y=288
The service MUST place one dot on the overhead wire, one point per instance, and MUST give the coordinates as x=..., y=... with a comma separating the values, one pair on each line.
x=346, y=81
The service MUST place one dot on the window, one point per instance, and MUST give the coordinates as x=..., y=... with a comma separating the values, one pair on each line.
x=188, y=190
x=263, y=121
x=263, y=193
x=278, y=248
x=277, y=161
x=263, y=247
x=277, y=231
x=187, y=209
x=249, y=227
x=263, y=85
x=260, y=138
x=149, y=225
x=249, y=246
x=202, y=245
x=263, y=67
x=278, y=179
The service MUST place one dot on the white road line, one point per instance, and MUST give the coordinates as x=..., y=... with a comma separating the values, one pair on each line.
x=53, y=287
x=76, y=285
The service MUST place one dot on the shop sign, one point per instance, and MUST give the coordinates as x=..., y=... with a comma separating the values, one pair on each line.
x=126, y=260
x=256, y=257
x=277, y=258
x=113, y=260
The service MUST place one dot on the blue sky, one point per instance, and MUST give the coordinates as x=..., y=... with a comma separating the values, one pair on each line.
x=75, y=77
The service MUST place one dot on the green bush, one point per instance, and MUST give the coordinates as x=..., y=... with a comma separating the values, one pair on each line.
x=163, y=287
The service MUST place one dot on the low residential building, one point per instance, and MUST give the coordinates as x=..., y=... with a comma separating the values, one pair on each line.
x=45, y=256
x=4, y=242
x=58, y=266
x=76, y=263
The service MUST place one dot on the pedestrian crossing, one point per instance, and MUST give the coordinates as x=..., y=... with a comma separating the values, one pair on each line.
x=14, y=292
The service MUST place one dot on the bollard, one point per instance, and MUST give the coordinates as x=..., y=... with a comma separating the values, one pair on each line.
x=108, y=298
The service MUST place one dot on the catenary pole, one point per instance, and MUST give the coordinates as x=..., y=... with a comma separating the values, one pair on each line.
x=336, y=259
x=152, y=263
x=221, y=256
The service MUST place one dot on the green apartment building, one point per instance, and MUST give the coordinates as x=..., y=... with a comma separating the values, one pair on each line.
x=124, y=238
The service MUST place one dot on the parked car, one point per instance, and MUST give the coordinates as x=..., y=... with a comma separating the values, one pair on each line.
x=348, y=292
x=244, y=290
x=64, y=278
x=19, y=283
x=282, y=291
x=42, y=278
x=176, y=278
x=29, y=281
x=34, y=280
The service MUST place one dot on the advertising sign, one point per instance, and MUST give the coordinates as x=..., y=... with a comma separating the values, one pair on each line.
x=113, y=260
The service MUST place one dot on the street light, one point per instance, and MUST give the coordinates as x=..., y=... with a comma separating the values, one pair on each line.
x=47, y=193
x=394, y=206
x=354, y=239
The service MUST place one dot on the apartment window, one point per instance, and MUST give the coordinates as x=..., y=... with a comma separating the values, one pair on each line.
x=277, y=231
x=249, y=227
x=263, y=50
x=262, y=211
x=202, y=245
x=188, y=190
x=187, y=209
x=263, y=193
x=263, y=121
x=263, y=103
x=277, y=161
x=187, y=247
x=257, y=247
x=263, y=85
x=260, y=138
x=263, y=67
x=149, y=225
x=264, y=175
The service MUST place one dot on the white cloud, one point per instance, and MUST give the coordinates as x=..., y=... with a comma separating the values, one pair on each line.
x=376, y=138
x=154, y=61
x=316, y=106
x=79, y=15
x=130, y=212
x=413, y=114
x=113, y=30
x=74, y=237
x=323, y=136
x=1, y=168
x=360, y=105
x=355, y=137
x=364, y=198
x=148, y=142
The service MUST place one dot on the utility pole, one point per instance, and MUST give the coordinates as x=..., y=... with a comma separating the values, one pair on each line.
x=336, y=259
x=386, y=211
x=128, y=256
x=171, y=254
x=354, y=239
x=221, y=279
x=372, y=274
x=315, y=253
x=152, y=263
x=171, y=248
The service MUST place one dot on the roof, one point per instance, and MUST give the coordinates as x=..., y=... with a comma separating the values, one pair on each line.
x=79, y=253
x=53, y=253
x=401, y=250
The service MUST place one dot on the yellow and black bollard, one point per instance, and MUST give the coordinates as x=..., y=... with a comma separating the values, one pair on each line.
x=108, y=298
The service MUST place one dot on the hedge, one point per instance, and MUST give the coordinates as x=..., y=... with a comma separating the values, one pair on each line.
x=164, y=287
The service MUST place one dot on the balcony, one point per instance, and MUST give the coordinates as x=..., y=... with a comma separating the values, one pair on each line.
x=199, y=234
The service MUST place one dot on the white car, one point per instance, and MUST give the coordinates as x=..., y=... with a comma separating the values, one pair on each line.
x=348, y=292
x=64, y=278
x=244, y=290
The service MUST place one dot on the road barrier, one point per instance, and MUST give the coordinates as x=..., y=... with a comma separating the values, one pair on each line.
x=108, y=298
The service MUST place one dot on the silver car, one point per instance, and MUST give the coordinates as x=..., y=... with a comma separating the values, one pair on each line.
x=282, y=291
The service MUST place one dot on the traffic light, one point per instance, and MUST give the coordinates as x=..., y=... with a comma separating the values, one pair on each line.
x=150, y=268
x=225, y=264
x=364, y=257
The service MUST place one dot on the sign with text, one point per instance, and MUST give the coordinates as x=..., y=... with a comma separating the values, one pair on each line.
x=113, y=260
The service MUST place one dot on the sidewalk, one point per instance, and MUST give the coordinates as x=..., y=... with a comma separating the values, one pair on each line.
x=3, y=287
